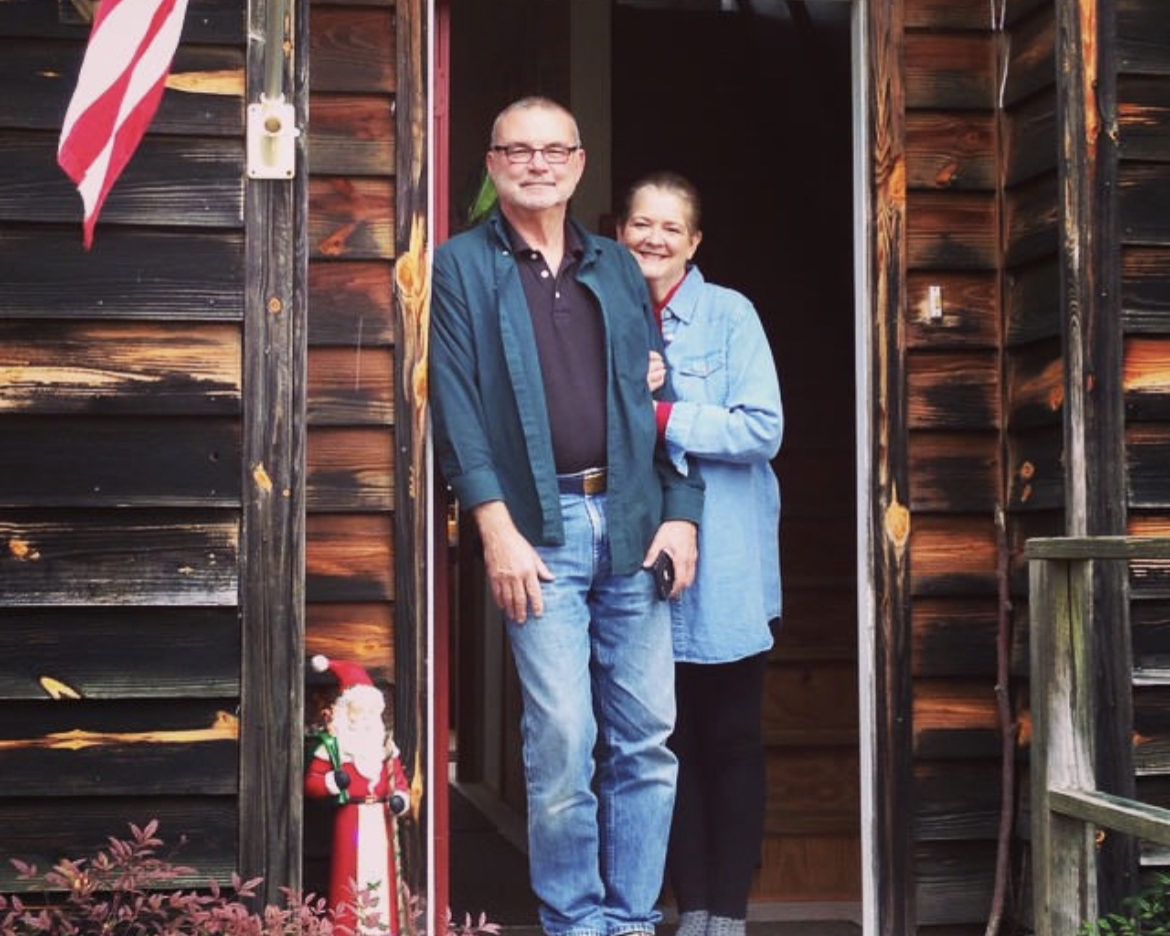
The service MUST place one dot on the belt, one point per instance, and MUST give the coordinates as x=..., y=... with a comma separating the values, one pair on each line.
x=589, y=481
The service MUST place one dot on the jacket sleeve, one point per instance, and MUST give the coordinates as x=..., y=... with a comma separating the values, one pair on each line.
x=746, y=423
x=681, y=480
x=461, y=440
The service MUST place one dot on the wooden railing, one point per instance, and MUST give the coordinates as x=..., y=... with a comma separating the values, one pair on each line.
x=1067, y=807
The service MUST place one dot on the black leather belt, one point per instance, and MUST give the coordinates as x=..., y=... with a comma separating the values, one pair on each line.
x=589, y=481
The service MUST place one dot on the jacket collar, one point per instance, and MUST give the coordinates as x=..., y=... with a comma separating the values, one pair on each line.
x=684, y=303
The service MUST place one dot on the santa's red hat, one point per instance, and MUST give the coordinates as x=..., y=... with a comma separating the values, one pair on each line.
x=348, y=674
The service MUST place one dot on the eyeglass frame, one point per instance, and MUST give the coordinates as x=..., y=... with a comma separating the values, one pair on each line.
x=532, y=151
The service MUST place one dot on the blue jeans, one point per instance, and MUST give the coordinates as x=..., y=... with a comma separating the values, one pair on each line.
x=597, y=675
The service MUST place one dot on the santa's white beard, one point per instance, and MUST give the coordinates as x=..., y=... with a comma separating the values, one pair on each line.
x=365, y=749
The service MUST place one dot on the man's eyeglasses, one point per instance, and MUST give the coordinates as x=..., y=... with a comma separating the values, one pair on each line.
x=519, y=153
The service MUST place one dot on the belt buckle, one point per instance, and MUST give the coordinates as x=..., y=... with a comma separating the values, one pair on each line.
x=593, y=482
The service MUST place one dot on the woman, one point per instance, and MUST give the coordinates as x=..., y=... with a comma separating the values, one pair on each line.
x=728, y=417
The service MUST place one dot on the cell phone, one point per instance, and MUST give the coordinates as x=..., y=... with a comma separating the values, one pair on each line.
x=663, y=570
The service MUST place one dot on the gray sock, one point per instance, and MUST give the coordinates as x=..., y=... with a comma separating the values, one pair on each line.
x=725, y=926
x=692, y=923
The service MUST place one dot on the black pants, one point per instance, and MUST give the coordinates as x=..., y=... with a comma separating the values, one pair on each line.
x=718, y=826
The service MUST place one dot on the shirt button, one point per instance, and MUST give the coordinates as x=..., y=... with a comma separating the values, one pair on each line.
x=544, y=274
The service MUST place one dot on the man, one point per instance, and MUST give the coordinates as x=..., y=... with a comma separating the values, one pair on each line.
x=545, y=430
x=357, y=763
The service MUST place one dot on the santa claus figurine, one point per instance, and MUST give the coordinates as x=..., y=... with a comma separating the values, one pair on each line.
x=357, y=764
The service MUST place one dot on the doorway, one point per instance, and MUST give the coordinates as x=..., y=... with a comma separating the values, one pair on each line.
x=753, y=102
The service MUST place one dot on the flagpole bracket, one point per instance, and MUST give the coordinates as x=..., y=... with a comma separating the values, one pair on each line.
x=272, y=139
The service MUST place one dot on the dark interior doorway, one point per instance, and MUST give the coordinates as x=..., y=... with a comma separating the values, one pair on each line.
x=752, y=101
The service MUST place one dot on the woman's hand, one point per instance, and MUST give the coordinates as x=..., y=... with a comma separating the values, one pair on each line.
x=656, y=374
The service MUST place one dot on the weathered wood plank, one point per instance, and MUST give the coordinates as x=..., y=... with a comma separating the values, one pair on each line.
x=1147, y=452
x=956, y=719
x=350, y=470
x=73, y=749
x=359, y=631
x=351, y=386
x=1016, y=10
x=954, y=883
x=1030, y=135
x=955, y=231
x=182, y=182
x=953, y=555
x=953, y=637
x=1037, y=469
x=353, y=49
x=956, y=800
x=272, y=525
x=1143, y=37
x=890, y=516
x=950, y=71
x=351, y=218
x=1146, y=378
x=952, y=391
x=1114, y=812
x=952, y=471
x=968, y=307
x=125, y=462
x=1143, y=118
x=1035, y=387
x=119, y=558
x=120, y=368
x=119, y=653
x=128, y=274
x=946, y=14
x=42, y=833
x=1031, y=66
x=952, y=150
x=205, y=91
x=350, y=303
x=1032, y=303
x=1143, y=200
x=349, y=558
x=1145, y=284
x=352, y=135
x=1031, y=221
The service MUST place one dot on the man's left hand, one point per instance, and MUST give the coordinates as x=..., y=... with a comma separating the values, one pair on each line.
x=680, y=539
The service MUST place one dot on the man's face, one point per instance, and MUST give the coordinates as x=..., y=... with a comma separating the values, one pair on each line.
x=536, y=185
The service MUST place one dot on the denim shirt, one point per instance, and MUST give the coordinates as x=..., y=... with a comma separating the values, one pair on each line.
x=728, y=418
x=492, y=437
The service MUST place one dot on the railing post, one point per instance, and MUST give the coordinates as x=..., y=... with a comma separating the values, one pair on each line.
x=1064, y=872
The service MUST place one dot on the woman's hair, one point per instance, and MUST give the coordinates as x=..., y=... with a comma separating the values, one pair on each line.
x=671, y=182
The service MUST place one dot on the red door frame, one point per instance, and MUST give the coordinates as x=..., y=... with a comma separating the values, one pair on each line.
x=441, y=627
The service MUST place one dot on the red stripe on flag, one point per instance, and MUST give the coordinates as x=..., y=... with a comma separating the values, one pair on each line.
x=121, y=83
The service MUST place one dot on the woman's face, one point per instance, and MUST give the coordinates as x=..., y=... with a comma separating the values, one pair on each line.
x=659, y=232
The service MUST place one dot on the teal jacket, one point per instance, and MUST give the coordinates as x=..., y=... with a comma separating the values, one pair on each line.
x=491, y=424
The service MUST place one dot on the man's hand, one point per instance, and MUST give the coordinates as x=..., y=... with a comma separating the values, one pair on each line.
x=679, y=538
x=656, y=374
x=514, y=569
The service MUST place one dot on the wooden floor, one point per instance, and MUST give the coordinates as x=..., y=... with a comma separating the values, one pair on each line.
x=489, y=875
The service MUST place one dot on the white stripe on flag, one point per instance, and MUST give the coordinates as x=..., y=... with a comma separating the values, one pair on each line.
x=121, y=82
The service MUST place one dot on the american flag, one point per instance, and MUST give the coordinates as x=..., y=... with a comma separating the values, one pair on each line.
x=118, y=91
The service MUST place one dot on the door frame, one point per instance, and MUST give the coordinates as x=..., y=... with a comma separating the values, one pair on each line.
x=872, y=711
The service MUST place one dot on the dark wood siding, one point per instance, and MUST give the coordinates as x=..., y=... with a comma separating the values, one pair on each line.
x=350, y=557
x=1142, y=269
x=951, y=371
x=122, y=413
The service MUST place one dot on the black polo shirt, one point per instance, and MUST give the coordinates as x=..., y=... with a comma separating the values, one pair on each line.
x=570, y=340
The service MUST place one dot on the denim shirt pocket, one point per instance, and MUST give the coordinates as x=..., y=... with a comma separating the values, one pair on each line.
x=701, y=377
